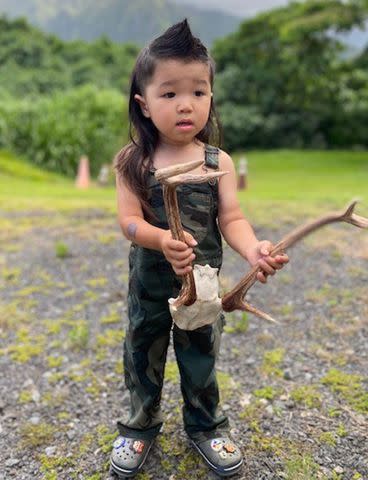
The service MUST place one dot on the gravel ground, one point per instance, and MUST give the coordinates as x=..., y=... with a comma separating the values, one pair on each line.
x=296, y=393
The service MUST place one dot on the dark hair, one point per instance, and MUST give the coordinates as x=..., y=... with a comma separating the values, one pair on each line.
x=135, y=160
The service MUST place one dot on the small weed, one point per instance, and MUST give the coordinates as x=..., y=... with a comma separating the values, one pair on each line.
x=97, y=282
x=78, y=336
x=50, y=465
x=110, y=338
x=90, y=295
x=268, y=393
x=62, y=250
x=11, y=275
x=307, y=396
x=112, y=317
x=327, y=438
x=172, y=372
x=227, y=385
x=54, y=398
x=301, y=467
x=349, y=387
x=94, y=388
x=272, y=360
x=25, y=396
x=143, y=476
x=105, y=439
x=334, y=412
x=237, y=323
x=36, y=435
x=168, y=447
x=341, y=430
x=119, y=367
x=24, y=350
x=13, y=314
x=269, y=444
x=107, y=239
x=54, y=362
x=53, y=327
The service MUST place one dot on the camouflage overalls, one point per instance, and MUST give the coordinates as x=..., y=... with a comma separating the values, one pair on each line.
x=152, y=282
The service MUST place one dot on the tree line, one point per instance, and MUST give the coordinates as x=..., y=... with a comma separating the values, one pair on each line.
x=284, y=79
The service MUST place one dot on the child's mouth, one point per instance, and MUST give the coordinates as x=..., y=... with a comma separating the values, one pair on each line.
x=185, y=125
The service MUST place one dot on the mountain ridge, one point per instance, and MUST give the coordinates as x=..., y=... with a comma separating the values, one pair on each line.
x=120, y=20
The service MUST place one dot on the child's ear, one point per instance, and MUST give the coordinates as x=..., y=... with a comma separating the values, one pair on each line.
x=142, y=104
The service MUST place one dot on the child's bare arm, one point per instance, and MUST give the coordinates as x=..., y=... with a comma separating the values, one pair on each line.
x=141, y=232
x=236, y=229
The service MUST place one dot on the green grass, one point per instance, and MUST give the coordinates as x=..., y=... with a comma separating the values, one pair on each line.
x=24, y=186
x=289, y=184
x=282, y=185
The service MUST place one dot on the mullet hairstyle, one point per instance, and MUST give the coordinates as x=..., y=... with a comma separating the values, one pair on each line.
x=135, y=160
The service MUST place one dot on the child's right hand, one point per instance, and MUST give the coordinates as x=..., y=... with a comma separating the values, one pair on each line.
x=178, y=253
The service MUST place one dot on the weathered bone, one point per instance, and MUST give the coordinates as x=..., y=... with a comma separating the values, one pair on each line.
x=207, y=306
x=234, y=299
x=171, y=177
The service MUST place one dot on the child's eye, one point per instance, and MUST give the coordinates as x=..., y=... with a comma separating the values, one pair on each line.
x=199, y=93
x=169, y=95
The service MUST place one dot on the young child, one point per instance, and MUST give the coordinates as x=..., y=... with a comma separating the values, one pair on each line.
x=172, y=112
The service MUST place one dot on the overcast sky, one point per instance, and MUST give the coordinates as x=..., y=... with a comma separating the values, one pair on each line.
x=242, y=8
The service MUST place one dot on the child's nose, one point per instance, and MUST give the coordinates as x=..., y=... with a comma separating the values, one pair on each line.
x=185, y=105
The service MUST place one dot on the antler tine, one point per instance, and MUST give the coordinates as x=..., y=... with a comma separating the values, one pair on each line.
x=171, y=177
x=249, y=308
x=234, y=299
x=190, y=178
x=351, y=217
x=164, y=173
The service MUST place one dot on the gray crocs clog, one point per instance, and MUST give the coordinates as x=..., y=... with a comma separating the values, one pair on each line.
x=128, y=455
x=221, y=455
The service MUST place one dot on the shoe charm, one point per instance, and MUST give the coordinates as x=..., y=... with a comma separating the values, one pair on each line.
x=138, y=446
x=229, y=447
x=119, y=442
x=216, y=445
x=223, y=454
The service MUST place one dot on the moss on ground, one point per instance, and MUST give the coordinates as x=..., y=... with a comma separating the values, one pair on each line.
x=35, y=435
x=306, y=395
x=349, y=387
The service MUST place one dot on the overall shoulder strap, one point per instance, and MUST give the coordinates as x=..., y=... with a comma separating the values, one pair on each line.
x=211, y=157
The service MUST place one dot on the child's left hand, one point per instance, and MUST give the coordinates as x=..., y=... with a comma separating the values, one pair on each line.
x=259, y=255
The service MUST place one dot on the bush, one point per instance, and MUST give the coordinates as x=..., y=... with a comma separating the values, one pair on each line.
x=54, y=131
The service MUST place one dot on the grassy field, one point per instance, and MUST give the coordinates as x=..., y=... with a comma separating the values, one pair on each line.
x=281, y=185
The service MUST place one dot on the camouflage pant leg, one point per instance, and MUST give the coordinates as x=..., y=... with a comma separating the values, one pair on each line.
x=145, y=349
x=196, y=352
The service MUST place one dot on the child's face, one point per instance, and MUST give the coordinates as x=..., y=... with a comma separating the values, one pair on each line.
x=178, y=100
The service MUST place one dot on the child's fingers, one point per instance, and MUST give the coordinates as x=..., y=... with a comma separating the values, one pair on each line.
x=266, y=267
x=182, y=254
x=262, y=277
x=183, y=271
x=190, y=240
x=177, y=245
x=183, y=263
x=282, y=258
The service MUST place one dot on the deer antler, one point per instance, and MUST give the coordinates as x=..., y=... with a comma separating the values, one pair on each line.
x=171, y=177
x=234, y=299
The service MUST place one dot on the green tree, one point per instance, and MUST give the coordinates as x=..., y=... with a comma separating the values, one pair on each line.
x=285, y=68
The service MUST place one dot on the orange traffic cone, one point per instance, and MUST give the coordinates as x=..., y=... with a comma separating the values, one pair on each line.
x=83, y=177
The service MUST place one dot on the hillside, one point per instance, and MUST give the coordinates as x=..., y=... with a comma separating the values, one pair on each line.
x=120, y=20
x=35, y=62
